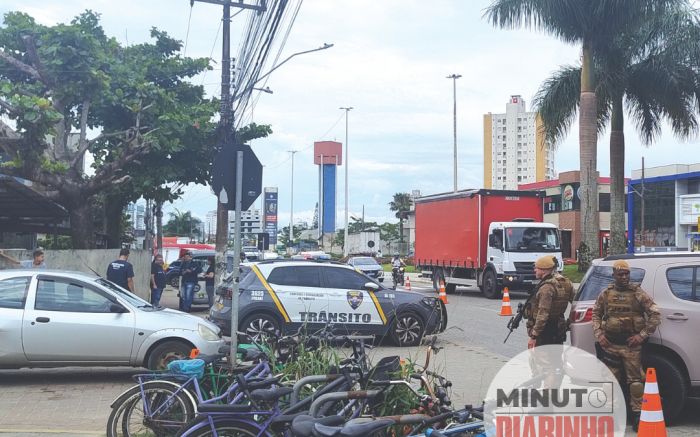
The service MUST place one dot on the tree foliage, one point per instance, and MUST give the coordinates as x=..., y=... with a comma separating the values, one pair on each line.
x=401, y=204
x=61, y=84
x=182, y=223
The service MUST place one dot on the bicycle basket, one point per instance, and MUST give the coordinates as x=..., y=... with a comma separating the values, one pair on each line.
x=387, y=368
x=187, y=367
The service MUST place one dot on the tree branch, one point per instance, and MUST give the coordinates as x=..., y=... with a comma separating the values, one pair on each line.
x=31, y=51
x=7, y=106
x=21, y=66
x=83, y=143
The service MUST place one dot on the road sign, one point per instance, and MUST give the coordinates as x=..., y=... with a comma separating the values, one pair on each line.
x=224, y=177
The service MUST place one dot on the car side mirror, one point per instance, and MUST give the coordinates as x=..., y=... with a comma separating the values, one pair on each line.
x=492, y=240
x=371, y=286
x=117, y=308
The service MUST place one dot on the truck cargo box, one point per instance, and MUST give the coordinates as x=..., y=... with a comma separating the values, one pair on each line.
x=452, y=228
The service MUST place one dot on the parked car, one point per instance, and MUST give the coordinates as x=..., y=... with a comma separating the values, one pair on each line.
x=52, y=318
x=284, y=295
x=672, y=279
x=367, y=265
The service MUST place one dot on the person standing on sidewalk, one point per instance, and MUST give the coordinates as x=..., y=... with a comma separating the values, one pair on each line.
x=121, y=272
x=545, y=316
x=157, y=280
x=37, y=261
x=209, y=281
x=189, y=271
x=624, y=316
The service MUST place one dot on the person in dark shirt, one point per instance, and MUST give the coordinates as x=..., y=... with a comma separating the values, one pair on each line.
x=209, y=281
x=189, y=272
x=157, y=280
x=121, y=272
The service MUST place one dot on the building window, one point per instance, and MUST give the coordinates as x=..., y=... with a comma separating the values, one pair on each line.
x=659, y=215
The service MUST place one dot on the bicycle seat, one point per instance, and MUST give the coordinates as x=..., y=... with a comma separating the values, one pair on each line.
x=303, y=424
x=270, y=394
x=353, y=429
x=222, y=408
x=255, y=384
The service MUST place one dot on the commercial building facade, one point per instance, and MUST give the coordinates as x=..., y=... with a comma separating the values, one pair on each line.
x=670, y=198
x=515, y=151
x=562, y=207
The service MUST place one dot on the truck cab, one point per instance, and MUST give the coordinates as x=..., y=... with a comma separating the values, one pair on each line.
x=513, y=247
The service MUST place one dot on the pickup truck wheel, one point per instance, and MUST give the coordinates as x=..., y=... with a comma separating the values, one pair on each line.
x=166, y=352
x=673, y=385
x=407, y=329
x=491, y=289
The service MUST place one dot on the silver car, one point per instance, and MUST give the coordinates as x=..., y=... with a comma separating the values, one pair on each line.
x=57, y=318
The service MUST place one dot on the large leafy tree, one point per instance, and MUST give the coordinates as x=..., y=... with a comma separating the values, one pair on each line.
x=591, y=24
x=654, y=71
x=401, y=205
x=69, y=89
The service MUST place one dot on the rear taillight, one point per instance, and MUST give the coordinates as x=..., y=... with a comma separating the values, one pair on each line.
x=582, y=315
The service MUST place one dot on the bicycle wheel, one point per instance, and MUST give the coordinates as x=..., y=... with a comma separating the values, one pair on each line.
x=168, y=411
x=228, y=428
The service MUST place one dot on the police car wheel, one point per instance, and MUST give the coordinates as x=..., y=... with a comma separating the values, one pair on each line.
x=260, y=326
x=407, y=329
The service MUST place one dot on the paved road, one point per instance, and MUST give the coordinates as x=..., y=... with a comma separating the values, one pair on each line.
x=60, y=402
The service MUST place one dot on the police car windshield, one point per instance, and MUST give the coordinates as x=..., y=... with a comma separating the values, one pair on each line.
x=598, y=278
x=532, y=240
x=365, y=262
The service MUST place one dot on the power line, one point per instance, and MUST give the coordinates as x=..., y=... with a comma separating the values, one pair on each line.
x=187, y=34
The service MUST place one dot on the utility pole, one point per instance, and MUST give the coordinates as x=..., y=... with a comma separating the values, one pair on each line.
x=642, y=234
x=291, y=210
x=347, y=164
x=226, y=134
x=454, y=78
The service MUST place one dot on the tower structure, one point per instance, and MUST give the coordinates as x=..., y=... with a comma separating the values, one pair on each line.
x=328, y=155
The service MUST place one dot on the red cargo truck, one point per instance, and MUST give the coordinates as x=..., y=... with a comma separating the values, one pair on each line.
x=491, y=236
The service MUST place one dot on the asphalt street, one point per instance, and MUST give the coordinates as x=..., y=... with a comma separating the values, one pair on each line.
x=76, y=401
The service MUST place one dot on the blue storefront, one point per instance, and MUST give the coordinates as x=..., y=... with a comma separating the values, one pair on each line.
x=670, y=198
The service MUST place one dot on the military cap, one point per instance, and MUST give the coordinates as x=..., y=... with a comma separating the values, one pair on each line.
x=545, y=262
x=621, y=264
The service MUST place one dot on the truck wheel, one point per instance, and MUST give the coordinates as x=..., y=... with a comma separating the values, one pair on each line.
x=673, y=385
x=438, y=276
x=491, y=288
x=450, y=288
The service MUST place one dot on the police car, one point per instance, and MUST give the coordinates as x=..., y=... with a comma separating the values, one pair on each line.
x=284, y=295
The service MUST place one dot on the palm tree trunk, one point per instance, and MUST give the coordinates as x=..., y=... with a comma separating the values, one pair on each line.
x=588, y=136
x=618, y=241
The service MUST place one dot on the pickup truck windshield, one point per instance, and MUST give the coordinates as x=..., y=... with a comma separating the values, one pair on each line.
x=532, y=240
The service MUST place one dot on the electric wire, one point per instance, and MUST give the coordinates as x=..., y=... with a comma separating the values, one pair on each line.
x=187, y=34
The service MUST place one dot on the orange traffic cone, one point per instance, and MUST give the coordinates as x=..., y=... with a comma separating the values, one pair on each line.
x=506, y=309
x=651, y=421
x=442, y=296
x=408, y=283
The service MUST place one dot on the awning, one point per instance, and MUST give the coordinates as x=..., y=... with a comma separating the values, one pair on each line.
x=24, y=209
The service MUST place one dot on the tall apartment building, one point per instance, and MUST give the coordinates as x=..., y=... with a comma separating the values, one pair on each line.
x=514, y=148
x=251, y=223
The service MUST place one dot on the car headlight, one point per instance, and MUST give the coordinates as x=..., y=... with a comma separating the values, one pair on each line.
x=429, y=301
x=207, y=333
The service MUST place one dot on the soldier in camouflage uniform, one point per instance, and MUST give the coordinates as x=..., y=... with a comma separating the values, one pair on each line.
x=545, y=314
x=620, y=328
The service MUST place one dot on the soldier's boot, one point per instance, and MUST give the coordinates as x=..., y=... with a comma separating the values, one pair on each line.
x=635, y=420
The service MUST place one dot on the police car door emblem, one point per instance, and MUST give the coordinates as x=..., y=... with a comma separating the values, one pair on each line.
x=355, y=299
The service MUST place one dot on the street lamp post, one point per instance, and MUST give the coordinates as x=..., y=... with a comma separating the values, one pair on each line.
x=347, y=161
x=454, y=78
x=291, y=210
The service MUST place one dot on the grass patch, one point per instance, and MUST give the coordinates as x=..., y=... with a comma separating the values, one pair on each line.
x=571, y=272
x=409, y=269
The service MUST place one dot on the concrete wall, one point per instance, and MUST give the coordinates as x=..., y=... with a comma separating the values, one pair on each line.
x=95, y=259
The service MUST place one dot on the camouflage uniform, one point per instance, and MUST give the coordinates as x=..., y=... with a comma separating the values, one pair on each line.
x=619, y=314
x=545, y=315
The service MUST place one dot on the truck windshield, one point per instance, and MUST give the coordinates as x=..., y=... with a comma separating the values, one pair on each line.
x=532, y=240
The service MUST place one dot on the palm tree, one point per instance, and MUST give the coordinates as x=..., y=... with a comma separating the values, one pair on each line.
x=401, y=205
x=651, y=69
x=592, y=24
x=182, y=223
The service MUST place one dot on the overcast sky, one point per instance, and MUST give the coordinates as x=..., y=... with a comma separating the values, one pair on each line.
x=389, y=61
